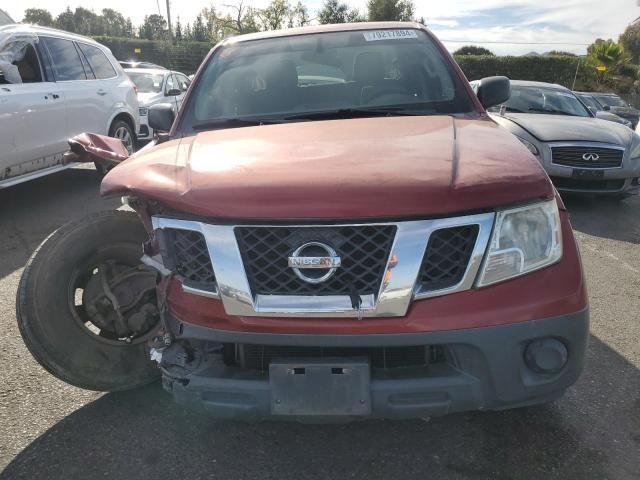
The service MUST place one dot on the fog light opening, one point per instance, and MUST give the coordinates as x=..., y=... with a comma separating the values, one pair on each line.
x=546, y=355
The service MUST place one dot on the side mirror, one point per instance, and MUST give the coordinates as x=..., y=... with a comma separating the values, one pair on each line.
x=493, y=91
x=161, y=116
x=173, y=92
x=606, y=108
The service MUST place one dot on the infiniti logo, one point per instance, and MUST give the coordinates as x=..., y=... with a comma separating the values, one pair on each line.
x=591, y=157
x=314, y=256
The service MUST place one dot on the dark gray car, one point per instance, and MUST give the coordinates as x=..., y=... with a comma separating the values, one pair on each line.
x=598, y=109
x=615, y=104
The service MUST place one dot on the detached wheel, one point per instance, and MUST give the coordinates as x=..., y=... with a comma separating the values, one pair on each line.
x=86, y=306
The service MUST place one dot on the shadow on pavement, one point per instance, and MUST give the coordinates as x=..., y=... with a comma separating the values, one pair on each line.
x=141, y=435
x=30, y=211
x=604, y=217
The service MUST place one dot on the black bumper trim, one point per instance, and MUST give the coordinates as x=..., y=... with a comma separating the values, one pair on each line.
x=487, y=371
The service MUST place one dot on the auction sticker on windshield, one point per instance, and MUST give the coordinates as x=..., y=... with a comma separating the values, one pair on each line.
x=389, y=35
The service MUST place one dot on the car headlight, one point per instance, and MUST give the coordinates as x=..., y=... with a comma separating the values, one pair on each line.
x=524, y=239
x=144, y=111
x=530, y=146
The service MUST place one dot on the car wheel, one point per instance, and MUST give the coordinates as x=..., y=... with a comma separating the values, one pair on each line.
x=123, y=131
x=86, y=307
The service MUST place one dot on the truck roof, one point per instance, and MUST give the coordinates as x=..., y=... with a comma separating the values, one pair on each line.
x=343, y=27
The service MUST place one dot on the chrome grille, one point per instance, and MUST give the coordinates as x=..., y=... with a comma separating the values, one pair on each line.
x=364, y=251
x=447, y=257
x=572, y=156
x=189, y=256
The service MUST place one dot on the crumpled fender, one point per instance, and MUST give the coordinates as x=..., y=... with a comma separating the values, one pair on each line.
x=94, y=148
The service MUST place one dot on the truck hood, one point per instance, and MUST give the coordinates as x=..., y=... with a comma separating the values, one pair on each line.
x=554, y=128
x=357, y=168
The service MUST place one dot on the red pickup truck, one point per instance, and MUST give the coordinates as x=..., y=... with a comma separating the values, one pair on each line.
x=331, y=227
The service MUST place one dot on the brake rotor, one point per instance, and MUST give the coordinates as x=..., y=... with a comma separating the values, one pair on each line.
x=121, y=301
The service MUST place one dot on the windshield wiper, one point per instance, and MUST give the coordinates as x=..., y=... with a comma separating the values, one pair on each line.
x=512, y=110
x=359, y=112
x=552, y=111
x=233, y=122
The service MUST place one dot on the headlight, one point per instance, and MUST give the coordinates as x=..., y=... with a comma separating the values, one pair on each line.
x=530, y=146
x=144, y=111
x=524, y=239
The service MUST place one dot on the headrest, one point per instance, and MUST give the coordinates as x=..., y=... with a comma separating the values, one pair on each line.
x=368, y=68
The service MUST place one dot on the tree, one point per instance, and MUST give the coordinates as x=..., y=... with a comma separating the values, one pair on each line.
x=188, y=34
x=65, y=21
x=38, y=16
x=560, y=53
x=199, y=31
x=114, y=23
x=390, y=10
x=334, y=11
x=607, y=53
x=243, y=20
x=178, y=32
x=630, y=40
x=298, y=16
x=473, y=50
x=129, y=30
x=153, y=27
x=87, y=22
x=274, y=15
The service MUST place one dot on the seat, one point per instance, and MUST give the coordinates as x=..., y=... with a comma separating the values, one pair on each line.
x=369, y=74
x=281, y=86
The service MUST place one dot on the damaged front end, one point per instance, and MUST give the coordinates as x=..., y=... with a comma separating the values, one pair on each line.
x=105, y=152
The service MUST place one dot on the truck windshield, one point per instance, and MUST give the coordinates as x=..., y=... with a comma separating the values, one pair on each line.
x=543, y=100
x=337, y=73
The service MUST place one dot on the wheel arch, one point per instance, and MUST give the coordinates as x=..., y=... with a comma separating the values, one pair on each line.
x=125, y=116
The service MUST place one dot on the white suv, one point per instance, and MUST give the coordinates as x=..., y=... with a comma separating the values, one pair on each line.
x=54, y=85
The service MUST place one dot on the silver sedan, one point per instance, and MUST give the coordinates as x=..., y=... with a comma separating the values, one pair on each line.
x=579, y=152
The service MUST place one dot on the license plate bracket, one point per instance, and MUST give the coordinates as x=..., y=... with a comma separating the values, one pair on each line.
x=584, y=174
x=328, y=387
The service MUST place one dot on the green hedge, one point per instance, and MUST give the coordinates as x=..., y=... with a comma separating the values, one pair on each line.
x=182, y=56
x=561, y=69
x=186, y=57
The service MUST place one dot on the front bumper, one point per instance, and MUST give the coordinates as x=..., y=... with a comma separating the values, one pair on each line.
x=485, y=369
x=145, y=132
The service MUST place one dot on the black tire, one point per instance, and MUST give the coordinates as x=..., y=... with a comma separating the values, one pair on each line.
x=47, y=320
x=122, y=126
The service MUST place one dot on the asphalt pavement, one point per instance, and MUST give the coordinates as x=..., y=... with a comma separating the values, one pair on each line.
x=50, y=430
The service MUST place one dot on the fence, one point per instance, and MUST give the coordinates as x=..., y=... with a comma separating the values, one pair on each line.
x=181, y=56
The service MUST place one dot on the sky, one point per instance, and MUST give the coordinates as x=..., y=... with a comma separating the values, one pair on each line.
x=525, y=24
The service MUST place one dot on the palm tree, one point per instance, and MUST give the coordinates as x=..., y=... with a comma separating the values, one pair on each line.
x=607, y=53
